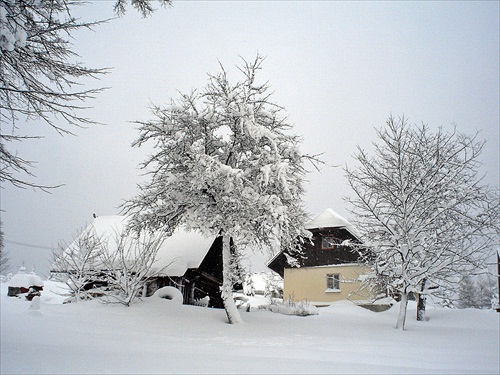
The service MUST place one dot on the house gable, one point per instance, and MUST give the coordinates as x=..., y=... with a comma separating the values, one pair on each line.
x=315, y=254
x=330, y=244
x=331, y=266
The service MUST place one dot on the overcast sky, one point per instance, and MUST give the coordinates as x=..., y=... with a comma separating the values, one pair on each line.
x=338, y=68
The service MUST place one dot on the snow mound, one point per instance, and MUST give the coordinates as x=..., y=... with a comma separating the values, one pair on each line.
x=54, y=292
x=170, y=293
x=35, y=303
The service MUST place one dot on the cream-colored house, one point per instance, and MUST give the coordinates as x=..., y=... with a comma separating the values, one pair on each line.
x=328, y=270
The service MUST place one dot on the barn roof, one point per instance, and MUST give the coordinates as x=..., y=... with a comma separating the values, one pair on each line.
x=179, y=252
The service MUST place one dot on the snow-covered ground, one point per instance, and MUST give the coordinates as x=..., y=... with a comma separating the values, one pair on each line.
x=158, y=336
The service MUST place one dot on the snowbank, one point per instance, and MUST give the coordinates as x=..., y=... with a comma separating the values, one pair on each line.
x=155, y=336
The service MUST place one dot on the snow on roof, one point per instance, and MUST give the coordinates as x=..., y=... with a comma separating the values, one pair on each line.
x=183, y=250
x=25, y=280
x=180, y=251
x=327, y=219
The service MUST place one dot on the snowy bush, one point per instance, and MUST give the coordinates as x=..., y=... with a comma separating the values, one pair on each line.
x=274, y=285
x=242, y=301
x=290, y=307
x=77, y=265
x=130, y=265
x=202, y=302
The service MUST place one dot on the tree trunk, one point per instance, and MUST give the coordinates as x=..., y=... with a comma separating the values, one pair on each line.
x=421, y=302
x=233, y=315
x=402, y=311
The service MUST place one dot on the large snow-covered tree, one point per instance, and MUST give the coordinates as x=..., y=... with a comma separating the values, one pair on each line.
x=224, y=164
x=423, y=208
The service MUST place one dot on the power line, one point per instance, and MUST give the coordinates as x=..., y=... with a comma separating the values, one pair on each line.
x=29, y=245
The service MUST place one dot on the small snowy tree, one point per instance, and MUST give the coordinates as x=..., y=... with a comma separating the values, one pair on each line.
x=486, y=291
x=274, y=285
x=423, y=210
x=224, y=165
x=478, y=293
x=4, y=256
x=79, y=265
x=248, y=285
x=467, y=293
x=115, y=267
x=128, y=267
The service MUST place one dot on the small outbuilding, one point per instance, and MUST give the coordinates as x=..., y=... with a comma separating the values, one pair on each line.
x=24, y=283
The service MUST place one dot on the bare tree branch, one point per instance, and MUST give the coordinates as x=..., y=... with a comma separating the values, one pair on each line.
x=39, y=76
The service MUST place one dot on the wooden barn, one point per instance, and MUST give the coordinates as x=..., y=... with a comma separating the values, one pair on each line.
x=328, y=269
x=186, y=260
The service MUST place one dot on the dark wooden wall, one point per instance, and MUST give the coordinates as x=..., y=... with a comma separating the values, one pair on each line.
x=314, y=255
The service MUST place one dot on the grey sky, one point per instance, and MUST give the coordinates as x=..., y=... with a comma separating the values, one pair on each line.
x=338, y=68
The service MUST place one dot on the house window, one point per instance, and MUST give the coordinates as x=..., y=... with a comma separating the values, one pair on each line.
x=333, y=282
x=328, y=242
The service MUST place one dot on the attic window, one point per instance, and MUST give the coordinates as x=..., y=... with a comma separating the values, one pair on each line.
x=328, y=243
